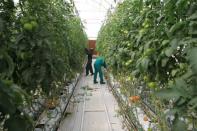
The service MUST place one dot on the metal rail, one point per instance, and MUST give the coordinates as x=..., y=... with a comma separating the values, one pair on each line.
x=106, y=111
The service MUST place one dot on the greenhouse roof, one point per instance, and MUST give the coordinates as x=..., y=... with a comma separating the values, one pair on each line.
x=93, y=14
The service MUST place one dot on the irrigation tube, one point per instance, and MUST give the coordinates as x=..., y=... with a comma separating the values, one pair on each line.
x=69, y=98
x=68, y=101
x=71, y=94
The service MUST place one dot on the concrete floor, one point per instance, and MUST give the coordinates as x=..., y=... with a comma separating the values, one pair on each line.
x=94, y=108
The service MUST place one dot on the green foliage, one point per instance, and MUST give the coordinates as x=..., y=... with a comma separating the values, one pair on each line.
x=13, y=100
x=42, y=44
x=18, y=123
x=159, y=37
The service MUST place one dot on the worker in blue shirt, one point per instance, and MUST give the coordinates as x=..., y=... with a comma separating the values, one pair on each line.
x=98, y=64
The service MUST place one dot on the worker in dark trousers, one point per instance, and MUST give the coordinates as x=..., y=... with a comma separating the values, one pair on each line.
x=89, y=53
x=98, y=64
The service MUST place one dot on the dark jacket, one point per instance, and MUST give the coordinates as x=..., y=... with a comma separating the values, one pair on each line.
x=89, y=54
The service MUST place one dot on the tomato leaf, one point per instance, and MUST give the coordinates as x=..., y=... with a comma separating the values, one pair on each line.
x=169, y=93
x=176, y=27
x=193, y=103
x=179, y=125
x=169, y=51
x=193, y=16
x=192, y=55
x=18, y=123
x=164, y=62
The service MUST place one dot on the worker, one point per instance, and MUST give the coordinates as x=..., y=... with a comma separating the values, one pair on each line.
x=98, y=64
x=89, y=53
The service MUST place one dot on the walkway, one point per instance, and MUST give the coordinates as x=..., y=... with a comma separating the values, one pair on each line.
x=94, y=109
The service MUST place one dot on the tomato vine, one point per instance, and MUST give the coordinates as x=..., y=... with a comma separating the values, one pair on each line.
x=153, y=44
x=42, y=43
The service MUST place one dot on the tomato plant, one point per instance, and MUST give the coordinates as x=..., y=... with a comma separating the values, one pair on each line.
x=41, y=49
x=155, y=43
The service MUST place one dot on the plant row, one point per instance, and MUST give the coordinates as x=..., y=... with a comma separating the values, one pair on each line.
x=151, y=48
x=41, y=49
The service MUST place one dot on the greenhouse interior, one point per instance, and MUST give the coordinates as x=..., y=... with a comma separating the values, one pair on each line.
x=98, y=65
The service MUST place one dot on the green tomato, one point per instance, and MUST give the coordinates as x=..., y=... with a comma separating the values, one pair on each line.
x=152, y=85
x=22, y=55
x=142, y=31
x=125, y=31
x=146, y=78
x=128, y=62
x=28, y=26
x=149, y=51
x=146, y=23
x=34, y=24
